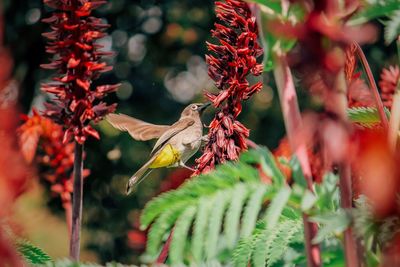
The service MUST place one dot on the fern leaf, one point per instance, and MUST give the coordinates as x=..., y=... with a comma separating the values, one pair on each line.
x=31, y=253
x=214, y=225
x=179, y=237
x=268, y=164
x=232, y=218
x=392, y=28
x=200, y=226
x=157, y=231
x=251, y=211
x=289, y=231
x=276, y=206
x=242, y=253
x=365, y=116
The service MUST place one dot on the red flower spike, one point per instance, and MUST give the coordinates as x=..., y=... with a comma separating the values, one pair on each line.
x=390, y=79
x=232, y=60
x=78, y=61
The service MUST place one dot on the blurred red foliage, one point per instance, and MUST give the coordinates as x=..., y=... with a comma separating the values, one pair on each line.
x=233, y=59
x=41, y=142
x=78, y=62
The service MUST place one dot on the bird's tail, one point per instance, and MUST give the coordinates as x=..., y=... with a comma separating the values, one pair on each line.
x=139, y=176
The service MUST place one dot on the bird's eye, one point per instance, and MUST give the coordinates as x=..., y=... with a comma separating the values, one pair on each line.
x=194, y=107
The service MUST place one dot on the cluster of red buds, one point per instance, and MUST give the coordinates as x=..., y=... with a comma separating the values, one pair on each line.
x=41, y=142
x=77, y=59
x=389, y=83
x=231, y=61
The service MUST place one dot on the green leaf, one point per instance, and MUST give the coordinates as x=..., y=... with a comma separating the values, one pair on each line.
x=200, y=226
x=365, y=116
x=180, y=234
x=297, y=172
x=376, y=9
x=31, y=253
x=252, y=209
x=157, y=231
x=276, y=206
x=214, y=225
x=232, y=217
x=392, y=27
x=331, y=223
x=308, y=200
x=241, y=255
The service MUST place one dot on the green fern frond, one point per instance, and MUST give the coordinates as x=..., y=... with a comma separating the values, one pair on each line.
x=200, y=226
x=232, y=218
x=221, y=205
x=31, y=253
x=214, y=225
x=252, y=210
x=179, y=237
x=158, y=230
x=392, y=27
x=266, y=246
x=365, y=116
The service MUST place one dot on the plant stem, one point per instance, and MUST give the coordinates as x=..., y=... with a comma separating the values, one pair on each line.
x=67, y=205
x=293, y=123
x=164, y=252
x=339, y=100
x=74, y=248
x=350, y=243
x=372, y=84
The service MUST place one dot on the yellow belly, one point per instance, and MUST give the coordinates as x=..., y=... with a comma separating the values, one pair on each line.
x=168, y=156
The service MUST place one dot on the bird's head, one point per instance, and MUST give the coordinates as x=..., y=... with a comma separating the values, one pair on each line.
x=195, y=109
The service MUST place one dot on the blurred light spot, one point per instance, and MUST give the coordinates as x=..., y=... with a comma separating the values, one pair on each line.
x=185, y=85
x=173, y=32
x=122, y=70
x=190, y=36
x=125, y=90
x=137, y=48
x=263, y=99
x=152, y=25
x=114, y=154
x=154, y=11
x=32, y=16
x=119, y=38
x=106, y=43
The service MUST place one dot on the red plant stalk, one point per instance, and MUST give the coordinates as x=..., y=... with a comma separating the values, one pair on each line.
x=338, y=106
x=74, y=247
x=78, y=62
x=293, y=123
x=372, y=83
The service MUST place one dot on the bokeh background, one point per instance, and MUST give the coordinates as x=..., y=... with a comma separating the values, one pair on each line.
x=160, y=48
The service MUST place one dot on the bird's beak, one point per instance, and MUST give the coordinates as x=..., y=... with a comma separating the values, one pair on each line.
x=202, y=107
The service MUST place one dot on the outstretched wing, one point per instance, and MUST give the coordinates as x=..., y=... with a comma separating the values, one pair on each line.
x=174, y=129
x=138, y=129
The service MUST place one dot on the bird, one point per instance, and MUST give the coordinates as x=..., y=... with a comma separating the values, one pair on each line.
x=176, y=143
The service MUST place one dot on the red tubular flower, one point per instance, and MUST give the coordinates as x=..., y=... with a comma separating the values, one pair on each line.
x=390, y=79
x=231, y=61
x=77, y=59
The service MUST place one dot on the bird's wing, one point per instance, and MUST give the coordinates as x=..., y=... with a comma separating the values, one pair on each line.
x=138, y=129
x=174, y=129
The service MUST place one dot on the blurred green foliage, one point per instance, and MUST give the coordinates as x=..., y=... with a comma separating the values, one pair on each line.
x=160, y=47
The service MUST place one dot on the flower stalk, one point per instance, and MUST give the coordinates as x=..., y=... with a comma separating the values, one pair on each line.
x=293, y=123
x=372, y=84
x=78, y=61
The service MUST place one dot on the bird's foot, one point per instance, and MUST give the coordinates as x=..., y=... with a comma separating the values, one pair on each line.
x=205, y=139
x=181, y=164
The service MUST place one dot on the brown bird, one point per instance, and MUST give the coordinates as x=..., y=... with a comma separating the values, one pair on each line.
x=175, y=145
